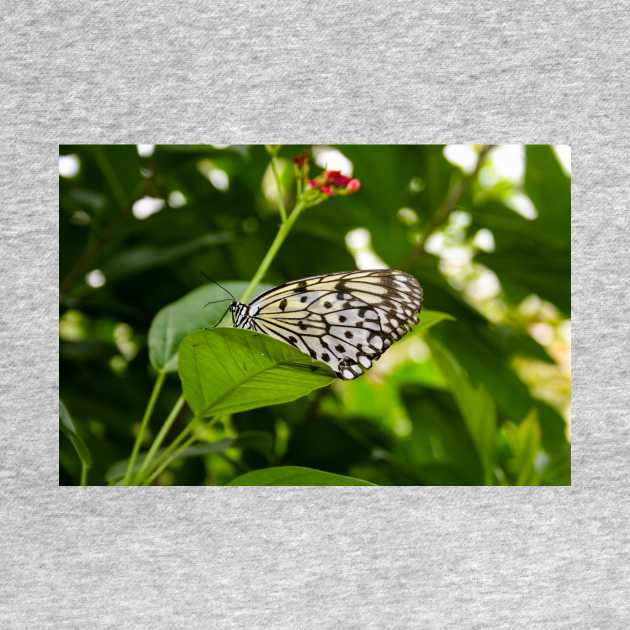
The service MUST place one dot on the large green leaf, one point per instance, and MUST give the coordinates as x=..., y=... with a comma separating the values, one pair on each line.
x=226, y=370
x=475, y=404
x=69, y=429
x=175, y=321
x=295, y=476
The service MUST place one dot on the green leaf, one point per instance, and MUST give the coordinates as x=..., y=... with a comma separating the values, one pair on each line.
x=69, y=429
x=295, y=476
x=226, y=370
x=553, y=426
x=256, y=440
x=533, y=256
x=175, y=321
x=486, y=364
x=524, y=441
x=549, y=188
x=475, y=404
x=428, y=319
x=440, y=437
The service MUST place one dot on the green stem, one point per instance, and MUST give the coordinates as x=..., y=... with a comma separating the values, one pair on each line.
x=167, y=462
x=159, y=438
x=172, y=451
x=175, y=448
x=159, y=381
x=283, y=232
x=279, y=188
x=165, y=454
x=84, y=474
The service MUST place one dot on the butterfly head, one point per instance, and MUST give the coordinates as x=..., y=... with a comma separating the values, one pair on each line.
x=241, y=316
x=238, y=310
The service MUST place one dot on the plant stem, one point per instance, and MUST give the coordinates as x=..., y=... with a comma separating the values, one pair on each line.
x=279, y=188
x=283, y=232
x=165, y=454
x=159, y=381
x=84, y=474
x=168, y=423
x=175, y=448
x=158, y=471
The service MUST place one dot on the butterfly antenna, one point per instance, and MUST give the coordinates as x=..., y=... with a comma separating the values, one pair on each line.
x=221, y=318
x=215, y=302
x=219, y=285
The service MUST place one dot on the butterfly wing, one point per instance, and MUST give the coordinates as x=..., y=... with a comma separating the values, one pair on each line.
x=347, y=319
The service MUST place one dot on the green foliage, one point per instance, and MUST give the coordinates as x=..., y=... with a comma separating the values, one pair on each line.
x=458, y=401
x=430, y=319
x=524, y=443
x=69, y=429
x=295, y=476
x=193, y=311
x=225, y=371
x=533, y=256
x=475, y=405
x=256, y=440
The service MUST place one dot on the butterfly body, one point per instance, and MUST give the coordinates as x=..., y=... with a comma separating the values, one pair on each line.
x=346, y=319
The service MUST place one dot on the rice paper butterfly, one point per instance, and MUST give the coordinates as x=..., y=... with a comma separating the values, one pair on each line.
x=345, y=319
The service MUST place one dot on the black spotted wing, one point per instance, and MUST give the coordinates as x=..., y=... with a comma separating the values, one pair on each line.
x=347, y=319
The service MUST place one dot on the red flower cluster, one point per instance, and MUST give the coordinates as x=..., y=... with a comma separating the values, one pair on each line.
x=333, y=182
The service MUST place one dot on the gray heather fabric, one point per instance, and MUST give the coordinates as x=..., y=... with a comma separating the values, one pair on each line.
x=300, y=72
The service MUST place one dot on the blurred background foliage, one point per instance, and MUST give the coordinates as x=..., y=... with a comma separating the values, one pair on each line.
x=483, y=398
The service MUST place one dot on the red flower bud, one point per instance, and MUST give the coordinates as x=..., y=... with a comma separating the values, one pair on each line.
x=335, y=178
x=353, y=185
x=312, y=183
x=327, y=190
x=300, y=160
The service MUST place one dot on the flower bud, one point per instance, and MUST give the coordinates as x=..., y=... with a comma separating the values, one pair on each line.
x=335, y=178
x=301, y=160
x=353, y=185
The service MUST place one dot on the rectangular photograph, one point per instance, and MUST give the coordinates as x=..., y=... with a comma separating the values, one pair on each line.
x=315, y=315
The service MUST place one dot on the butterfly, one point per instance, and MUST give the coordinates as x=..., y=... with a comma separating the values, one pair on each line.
x=346, y=319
